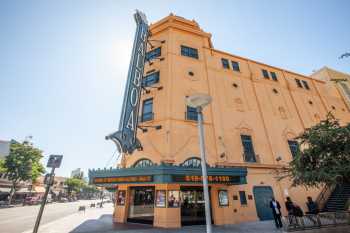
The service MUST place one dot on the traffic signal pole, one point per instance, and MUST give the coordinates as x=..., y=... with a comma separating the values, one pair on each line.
x=43, y=202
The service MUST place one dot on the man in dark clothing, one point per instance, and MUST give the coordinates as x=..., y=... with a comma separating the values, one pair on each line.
x=289, y=206
x=312, y=206
x=276, y=211
x=312, y=210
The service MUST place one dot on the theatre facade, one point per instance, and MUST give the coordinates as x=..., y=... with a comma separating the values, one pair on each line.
x=250, y=129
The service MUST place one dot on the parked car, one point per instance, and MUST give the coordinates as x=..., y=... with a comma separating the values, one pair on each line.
x=49, y=198
x=63, y=199
x=33, y=200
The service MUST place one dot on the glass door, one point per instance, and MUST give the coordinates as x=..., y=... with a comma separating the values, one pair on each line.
x=141, y=208
x=192, y=206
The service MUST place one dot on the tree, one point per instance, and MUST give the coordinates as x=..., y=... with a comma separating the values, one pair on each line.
x=74, y=184
x=2, y=166
x=324, y=157
x=88, y=191
x=22, y=164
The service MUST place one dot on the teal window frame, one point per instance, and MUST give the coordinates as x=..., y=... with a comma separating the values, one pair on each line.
x=225, y=63
x=243, y=198
x=189, y=52
x=235, y=66
x=265, y=74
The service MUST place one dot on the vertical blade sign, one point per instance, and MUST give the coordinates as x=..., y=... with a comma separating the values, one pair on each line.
x=125, y=137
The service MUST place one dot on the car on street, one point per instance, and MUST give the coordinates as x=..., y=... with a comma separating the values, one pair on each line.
x=33, y=200
x=63, y=199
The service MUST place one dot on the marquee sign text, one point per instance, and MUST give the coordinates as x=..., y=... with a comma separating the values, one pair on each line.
x=211, y=179
x=122, y=179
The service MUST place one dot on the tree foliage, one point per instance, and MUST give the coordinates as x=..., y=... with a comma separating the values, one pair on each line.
x=74, y=184
x=90, y=189
x=2, y=166
x=324, y=157
x=22, y=164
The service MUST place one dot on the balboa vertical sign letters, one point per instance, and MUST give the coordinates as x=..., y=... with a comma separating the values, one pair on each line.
x=125, y=137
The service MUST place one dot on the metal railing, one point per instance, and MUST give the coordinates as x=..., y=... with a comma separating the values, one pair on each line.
x=310, y=221
x=324, y=195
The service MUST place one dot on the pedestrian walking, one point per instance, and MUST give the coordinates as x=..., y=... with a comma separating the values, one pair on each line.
x=276, y=211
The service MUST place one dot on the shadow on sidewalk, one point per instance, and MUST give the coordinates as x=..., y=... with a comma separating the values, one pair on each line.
x=105, y=224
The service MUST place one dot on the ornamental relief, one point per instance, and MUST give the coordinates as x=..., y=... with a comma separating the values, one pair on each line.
x=234, y=95
x=282, y=112
x=238, y=104
x=244, y=128
x=288, y=134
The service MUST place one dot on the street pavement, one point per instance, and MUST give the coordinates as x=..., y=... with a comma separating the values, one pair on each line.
x=65, y=218
x=98, y=220
x=22, y=218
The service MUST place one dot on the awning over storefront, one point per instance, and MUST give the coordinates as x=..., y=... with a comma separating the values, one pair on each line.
x=5, y=190
x=167, y=174
x=39, y=189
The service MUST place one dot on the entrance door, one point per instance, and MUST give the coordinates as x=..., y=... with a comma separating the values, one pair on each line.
x=192, y=206
x=262, y=196
x=141, y=208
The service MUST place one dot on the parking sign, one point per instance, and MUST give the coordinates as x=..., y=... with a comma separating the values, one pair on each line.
x=54, y=161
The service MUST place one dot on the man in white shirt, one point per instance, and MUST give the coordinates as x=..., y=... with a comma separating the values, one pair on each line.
x=276, y=211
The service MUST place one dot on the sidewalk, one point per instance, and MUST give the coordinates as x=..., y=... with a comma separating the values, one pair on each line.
x=70, y=222
x=98, y=220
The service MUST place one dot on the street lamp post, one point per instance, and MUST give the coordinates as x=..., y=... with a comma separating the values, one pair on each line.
x=199, y=101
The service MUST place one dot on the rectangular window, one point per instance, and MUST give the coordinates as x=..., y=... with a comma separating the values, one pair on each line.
x=189, y=52
x=248, y=149
x=147, y=110
x=306, y=85
x=235, y=65
x=243, y=198
x=225, y=63
x=191, y=114
x=294, y=147
x=153, y=54
x=150, y=79
x=273, y=76
x=265, y=74
x=298, y=83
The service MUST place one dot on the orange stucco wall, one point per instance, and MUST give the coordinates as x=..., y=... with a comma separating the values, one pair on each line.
x=244, y=102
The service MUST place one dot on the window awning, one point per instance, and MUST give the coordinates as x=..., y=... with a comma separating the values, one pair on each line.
x=5, y=190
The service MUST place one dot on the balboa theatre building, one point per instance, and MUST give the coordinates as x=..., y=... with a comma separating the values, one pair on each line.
x=250, y=126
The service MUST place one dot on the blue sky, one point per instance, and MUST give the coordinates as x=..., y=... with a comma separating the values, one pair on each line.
x=63, y=64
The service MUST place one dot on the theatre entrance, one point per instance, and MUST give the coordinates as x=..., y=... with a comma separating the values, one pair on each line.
x=192, y=206
x=141, y=208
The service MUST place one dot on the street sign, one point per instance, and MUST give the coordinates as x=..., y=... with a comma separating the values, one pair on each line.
x=125, y=137
x=54, y=161
x=49, y=179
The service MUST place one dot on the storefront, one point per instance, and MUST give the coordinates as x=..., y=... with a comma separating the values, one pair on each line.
x=166, y=195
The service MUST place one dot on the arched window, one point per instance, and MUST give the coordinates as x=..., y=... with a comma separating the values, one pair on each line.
x=192, y=162
x=143, y=163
